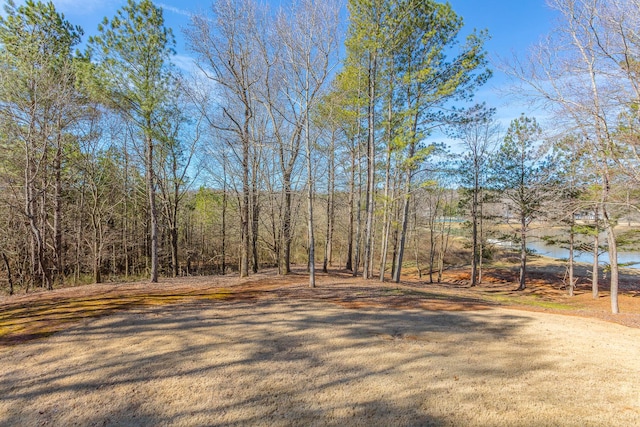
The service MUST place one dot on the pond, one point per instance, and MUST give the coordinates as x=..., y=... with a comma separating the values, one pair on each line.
x=541, y=248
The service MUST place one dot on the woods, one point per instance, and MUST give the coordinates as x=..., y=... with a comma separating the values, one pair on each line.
x=302, y=136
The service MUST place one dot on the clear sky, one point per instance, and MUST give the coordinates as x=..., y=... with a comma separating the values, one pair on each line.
x=513, y=25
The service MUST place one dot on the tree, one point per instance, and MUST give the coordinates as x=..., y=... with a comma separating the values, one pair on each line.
x=328, y=120
x=285, y=122
x=310, y=38
x=410, y=41
x=437, y=199
x=348, y=101
x=226, y=53
x=364, y=43
x=39, y=105
x=133, y=54
x=179, y=136
x=573, y=175
x=586, y=72
x=97, y=168
x=429, y=80
x=522, y=176
x=478, y=131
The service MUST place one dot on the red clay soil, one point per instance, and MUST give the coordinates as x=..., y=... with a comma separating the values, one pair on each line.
x=545, y=282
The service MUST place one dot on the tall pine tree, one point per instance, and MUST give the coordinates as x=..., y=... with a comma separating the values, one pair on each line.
x=133, y=52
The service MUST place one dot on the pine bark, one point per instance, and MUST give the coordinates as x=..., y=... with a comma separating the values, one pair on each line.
x=371, y=165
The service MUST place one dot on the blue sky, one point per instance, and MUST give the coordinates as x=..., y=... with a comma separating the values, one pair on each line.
x=513, y=24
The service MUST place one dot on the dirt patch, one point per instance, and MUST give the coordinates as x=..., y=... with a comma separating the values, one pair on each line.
x=269, y=350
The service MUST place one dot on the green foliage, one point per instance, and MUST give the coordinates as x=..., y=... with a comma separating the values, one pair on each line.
x=413, y=41
x=629, y=240
x=520, y=171
x=133, y=69
x=206, y=204
x=36, y=57
x=586, y=229
x=37, y=35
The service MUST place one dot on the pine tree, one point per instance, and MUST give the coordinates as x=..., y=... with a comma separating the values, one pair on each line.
x=133, y=51
x=521, y=174
x=38, y=107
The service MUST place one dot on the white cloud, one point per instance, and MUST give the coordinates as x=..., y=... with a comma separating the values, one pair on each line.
x=179, y=11
x=185, y=63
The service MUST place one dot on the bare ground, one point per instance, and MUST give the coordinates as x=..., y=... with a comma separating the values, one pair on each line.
x=270, y=351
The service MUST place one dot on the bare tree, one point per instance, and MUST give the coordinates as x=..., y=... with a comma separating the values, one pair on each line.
x=310, y=37
x=585, y=71
x=180, y=137
x=286, y=123
x=225, y=47
x=478, y=132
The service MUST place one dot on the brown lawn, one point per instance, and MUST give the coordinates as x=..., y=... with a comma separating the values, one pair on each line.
x=268, y=350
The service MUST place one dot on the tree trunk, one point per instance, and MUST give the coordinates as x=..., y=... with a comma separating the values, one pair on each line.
x=57, y=212
x=481, y=234
x=352, y=190
x=416, y=240
x=474, y=226
x=175, y=262
x=125, y=219
x=373, y=245
x=78, y=238
x=244, y=209
x=356, y=263
x=403, y=229
x=444, y=244
x=38, y=262
x=9, y=276
x=255, y=214
x=312, y=251
x=371, y=165
x=596, y=256
x=405, y=210
x=153, y=213
x=612, y=247
x=97, y=239
x=571, y=238
x=523, y=253
x=47, y=281
x=286, y=226
x=386, y=223
x=330, y=208
x=97, y=273
x=394, y=236
x=432, y=239
x=223, y=231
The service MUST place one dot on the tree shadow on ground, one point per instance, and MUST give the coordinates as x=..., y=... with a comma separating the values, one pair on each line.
x=265, y=362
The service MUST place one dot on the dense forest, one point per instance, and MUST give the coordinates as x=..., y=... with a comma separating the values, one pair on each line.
x=345, y=136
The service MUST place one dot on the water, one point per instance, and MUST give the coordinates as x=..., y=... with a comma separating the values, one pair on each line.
x=561, y=253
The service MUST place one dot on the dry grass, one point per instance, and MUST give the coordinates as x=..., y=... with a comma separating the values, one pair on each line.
x=271, y=351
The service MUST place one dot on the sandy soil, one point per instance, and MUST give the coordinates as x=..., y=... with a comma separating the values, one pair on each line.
x=270, y=351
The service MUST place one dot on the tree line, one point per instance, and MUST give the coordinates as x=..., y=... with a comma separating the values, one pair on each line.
x=284, y=147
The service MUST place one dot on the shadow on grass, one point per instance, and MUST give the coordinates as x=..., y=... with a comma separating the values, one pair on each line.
x=185, y=364
x=39, y=318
